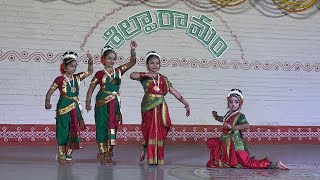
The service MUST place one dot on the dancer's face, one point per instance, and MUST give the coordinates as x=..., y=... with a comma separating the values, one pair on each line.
x=153, y=65
x=71, y=68
x=110, y=60
x=233, y=103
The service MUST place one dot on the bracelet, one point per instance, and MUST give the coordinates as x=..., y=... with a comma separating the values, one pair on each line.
x=180, y=98
x=186, y=106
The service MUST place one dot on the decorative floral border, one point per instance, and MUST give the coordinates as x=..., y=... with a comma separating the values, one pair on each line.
x=174, y=62
x=21, y=134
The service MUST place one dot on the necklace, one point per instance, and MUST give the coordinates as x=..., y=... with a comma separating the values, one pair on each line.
x=112, y=79
x=156, y=86
x=73, y=89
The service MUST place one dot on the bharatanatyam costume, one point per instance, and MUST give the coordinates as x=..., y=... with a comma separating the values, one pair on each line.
x=230, y=149
x=69, y=120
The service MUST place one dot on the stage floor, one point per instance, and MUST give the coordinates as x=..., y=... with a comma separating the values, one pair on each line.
x=182, y=162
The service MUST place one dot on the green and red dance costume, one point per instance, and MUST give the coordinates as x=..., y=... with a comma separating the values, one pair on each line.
x=156, y=121
x=69, y=120
x=230, y=149
x=107, y=109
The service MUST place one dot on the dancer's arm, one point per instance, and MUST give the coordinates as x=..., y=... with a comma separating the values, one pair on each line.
x=90, y=64
x=140, y=75
x=89, y=95
x=47, y=104
x=133, y=58
x=216, y=117
x=90, y=67
x=176, y=94
x=53, y=87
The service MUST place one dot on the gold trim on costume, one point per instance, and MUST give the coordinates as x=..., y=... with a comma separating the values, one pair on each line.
x=124, y=68
x=155, y=95
x=78, y=81
x=155, y=142
x=54, y=86
x=102, y=147
x=156, y=161
x=119, y=73
x=161, y=162
x=164, y=114
x=83, y=74
x=152, y=161
x=104, y=101
x=61, y=152
x=94, y=81
x=112, y=131
x=235, y=121
x=107, y=99
x=112, y=142
x=64, y=86
x=75, y=98
x=66, y=109
x=104, y=81
x=110, y=92
x=147, y=86
x=69, y=151
x=228, y=143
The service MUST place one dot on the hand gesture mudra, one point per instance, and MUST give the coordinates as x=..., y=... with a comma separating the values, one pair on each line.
x=47, y=105
x=214, y=114
x=133, y=45
x=90, y=58
x=88, y=107
x=187, y=111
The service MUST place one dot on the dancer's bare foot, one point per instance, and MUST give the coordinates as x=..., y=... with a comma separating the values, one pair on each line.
x=143, y=152
x=109, y=161
x=69, y=162
x=69, y=159
x=62, y=162
x=142, y=155
x=102, y=158
x=281, y=166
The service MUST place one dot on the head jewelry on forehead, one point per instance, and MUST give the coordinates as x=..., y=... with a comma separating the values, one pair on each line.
x=237, y=92
x=151, y=53
x=70, y=54
x=106, y=48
